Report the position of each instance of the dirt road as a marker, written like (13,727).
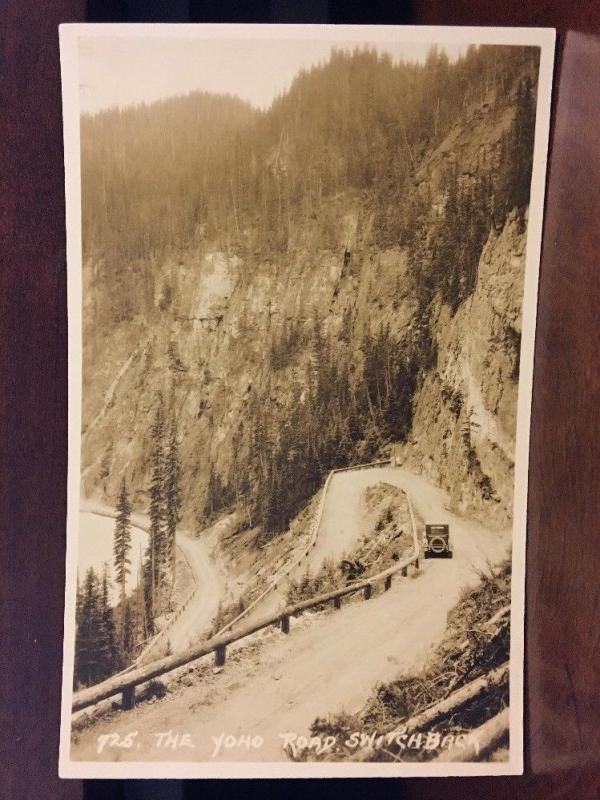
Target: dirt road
(344,522)
(192,622)
(330,662)
(210,588)
(209,578)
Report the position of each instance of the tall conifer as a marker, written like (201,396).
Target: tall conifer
(122,546)
(107,644)
(87,661)
(155,554)
(172,492)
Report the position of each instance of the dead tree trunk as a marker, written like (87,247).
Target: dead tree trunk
(482,741)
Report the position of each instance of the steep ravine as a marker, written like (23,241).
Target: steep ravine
(208,348)
(202,336)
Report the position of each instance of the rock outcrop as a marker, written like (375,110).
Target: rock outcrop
(202,335)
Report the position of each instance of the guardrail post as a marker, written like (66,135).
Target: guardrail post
(128,697)
(404,572)
(285,624)
(337,602)
(388,582)
(220,655)
(368,591)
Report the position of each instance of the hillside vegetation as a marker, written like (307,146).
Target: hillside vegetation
(464,685)
(292,285)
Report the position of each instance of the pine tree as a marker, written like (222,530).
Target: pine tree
(97,655)
(359,122)
(122,546)
(156,549)
(172,492)
(87,661)
(108,650)
(127,633)
(523,136)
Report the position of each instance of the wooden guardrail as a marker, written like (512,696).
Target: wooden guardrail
(279,576)
(125,683)
(158,637)
(163,633)
(316,524)
(283,573)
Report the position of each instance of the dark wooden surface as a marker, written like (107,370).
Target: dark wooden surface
(33,398)
(563,601)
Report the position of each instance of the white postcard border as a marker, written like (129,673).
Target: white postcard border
(69,43)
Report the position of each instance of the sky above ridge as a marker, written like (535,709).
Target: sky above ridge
(126,70)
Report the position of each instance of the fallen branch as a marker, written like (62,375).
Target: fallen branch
(446,707)
(482,741)
(504,611)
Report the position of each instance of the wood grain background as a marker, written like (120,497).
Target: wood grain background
(563,583)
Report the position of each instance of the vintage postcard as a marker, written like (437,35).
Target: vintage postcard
(302,276)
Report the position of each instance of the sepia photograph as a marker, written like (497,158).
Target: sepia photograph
(302,277)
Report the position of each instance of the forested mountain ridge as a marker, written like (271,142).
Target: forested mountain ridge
(297,285)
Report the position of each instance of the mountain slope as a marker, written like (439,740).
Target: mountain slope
(313,316)
(328,663)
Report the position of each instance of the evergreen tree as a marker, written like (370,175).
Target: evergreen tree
(108,649)
(359,129)
(122,546)
(96,650)
(217,495)
(523,135)
(359,121)
(128,634)
(172,491)
(154,566)
(88,668)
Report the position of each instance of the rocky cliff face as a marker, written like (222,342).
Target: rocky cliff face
(464,427)
(205,347)
(203,335)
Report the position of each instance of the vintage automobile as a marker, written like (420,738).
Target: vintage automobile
(437,541)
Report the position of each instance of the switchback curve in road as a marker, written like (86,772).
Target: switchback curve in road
(330,663)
